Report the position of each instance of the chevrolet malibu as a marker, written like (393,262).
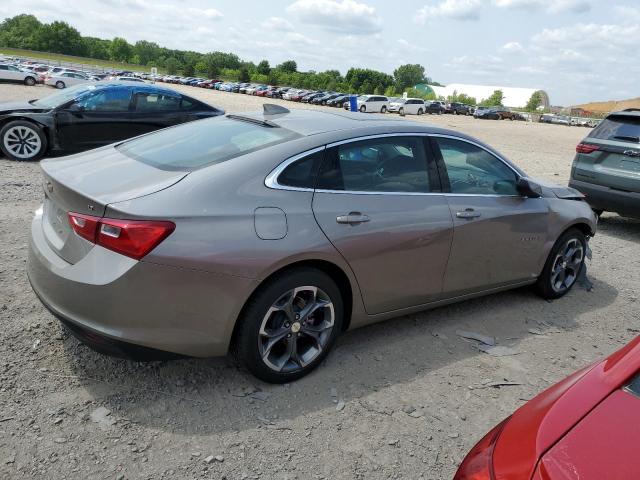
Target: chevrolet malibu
(269,234)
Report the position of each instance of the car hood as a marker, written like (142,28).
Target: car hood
(20,107)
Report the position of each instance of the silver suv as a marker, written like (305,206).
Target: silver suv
(607,165)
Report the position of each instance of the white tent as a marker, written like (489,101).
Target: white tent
(513,97)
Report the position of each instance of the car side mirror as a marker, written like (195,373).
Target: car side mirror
(75,107)
(528,188)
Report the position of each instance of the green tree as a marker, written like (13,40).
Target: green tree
(189,68)
(96,47)
(146,51)
(288,66)
(495,100)
(21,31)
(120,49)
(263,67)
(172,65)
(534,102)
(243,74)
(408,76)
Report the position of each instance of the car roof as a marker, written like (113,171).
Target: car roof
(138,85)
(634,113)
(313,122)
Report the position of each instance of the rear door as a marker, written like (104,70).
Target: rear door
(378,202)
(616,162)
(99,118)
(155,110)
(498,235)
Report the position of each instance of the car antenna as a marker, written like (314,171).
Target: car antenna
(273,109)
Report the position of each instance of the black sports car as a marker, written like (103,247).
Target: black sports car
(91,115)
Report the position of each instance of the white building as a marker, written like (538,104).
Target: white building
(513,97)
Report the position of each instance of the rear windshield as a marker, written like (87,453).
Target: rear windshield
(618,128)
(203,142)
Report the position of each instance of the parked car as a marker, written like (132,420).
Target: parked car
(407,106)
(606,167)
(372,103)
(11,73)
(495,113)
(66,79)
(129,79)
(582,428)
(434,108)
(91,115)
(458,108)
(225,223)
(338,101)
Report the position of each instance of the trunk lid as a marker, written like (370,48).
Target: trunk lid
(86,183)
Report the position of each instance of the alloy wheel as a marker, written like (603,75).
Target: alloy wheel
(296,329)
(22,142)
(566,265)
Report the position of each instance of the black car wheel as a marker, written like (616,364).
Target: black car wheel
(22,141)
(420,111)
(289,325)
(363,109)
(383,109)
(401,111)
(563,265)
(60,84)
(30,81)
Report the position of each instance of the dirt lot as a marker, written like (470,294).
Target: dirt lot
(403,399)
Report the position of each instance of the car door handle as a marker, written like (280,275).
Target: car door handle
(468,214)
(353,218)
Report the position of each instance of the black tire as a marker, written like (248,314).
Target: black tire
(383,109)
(247,338)
(420,111)
(60,84)
(363,109)
(8,130)
(401,112)
(545,284)
(29,81)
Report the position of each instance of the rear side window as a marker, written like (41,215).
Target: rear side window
(156,102)
(619,128)
(388,164)
(302,173)
(194,145)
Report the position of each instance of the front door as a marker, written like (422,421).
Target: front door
(498,235)
(96,119)
(378,202)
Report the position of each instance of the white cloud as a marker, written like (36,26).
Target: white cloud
(551,6)
(456,9)
(277,23)
(342,16)
(512,47)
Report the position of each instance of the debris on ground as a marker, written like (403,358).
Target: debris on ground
(485,339)
(497,350)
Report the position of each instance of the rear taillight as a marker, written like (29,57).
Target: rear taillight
(133,238)
(586,148)
(478,464)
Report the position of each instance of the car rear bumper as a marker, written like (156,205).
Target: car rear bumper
(114,300)
(609,199)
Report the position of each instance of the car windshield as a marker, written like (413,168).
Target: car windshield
(205,142)
(623,128)
(62,97)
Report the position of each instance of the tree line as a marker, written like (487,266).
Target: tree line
(27,32)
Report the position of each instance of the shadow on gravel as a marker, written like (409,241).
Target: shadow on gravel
(204,396)
(620,227)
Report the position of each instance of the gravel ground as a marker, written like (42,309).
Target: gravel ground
(403,399)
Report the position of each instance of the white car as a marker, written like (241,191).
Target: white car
(66,79)
(14,74)
(373,103)
(128,79)
(408,106)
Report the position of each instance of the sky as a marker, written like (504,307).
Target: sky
(576,50)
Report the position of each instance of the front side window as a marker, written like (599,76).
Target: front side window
(474,171)
(115,99)
(386,164)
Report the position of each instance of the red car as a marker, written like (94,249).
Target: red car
(586,427)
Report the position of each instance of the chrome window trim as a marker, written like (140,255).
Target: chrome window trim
(272,179)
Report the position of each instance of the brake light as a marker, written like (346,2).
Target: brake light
(478,464)
(586,148)
(133,238)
